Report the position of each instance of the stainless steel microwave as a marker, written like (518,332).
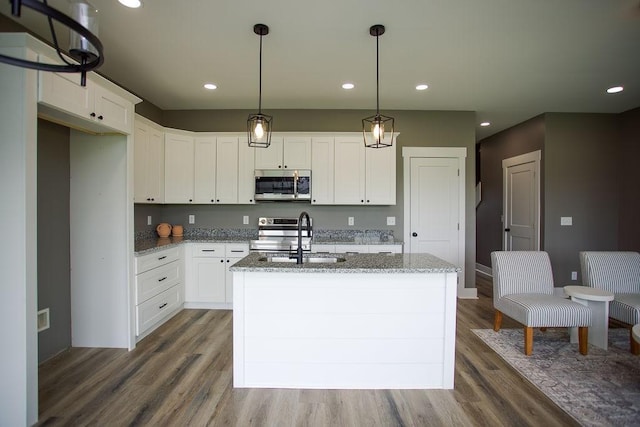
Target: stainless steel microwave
(282,185)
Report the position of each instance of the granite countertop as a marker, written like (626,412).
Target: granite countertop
(357,263)
(150,245)
(147,246)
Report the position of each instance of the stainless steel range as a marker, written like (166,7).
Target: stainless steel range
(281,235)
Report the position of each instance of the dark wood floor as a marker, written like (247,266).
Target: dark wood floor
(182,375)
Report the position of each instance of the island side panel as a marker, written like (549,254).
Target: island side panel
(450,330)
(315,330)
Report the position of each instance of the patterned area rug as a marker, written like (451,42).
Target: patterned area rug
(600,389)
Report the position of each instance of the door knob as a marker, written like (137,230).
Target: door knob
(414,234)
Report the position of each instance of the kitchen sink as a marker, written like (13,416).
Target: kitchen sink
(305,260)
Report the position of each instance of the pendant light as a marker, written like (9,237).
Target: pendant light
(378,129)
(85,47)
(259,125)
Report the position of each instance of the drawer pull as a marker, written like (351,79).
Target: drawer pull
(385,252)
(164,278)
(208,250)
(162,257)
(352,253)
(237,250)
(163,305)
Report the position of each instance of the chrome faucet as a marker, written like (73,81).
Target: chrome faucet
(298,255)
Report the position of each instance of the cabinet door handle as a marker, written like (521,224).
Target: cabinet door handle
(92,114)
(163,306)
(100,117)
(227,260)
(164,278)
(221,260)
(162,257)
(507,230)
(414,234)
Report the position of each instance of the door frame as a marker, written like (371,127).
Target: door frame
(460,153)
(535,158)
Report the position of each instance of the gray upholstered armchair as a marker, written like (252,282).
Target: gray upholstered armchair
(523,290)
(619,273)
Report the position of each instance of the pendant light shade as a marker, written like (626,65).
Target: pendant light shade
(259,125)
(85,47)
(377,129)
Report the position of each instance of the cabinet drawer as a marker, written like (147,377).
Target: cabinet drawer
(156,259)
(322,248)
(352,249)
(385,249)
(213,250)
(152,311)
(236,250)
(152,282)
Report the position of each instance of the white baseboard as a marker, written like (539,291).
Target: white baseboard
(468,293)
(484,270)
(209,305)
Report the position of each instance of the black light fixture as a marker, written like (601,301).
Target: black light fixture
(85,47)
(259,125)
(378,129)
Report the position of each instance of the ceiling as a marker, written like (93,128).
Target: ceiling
(508,60)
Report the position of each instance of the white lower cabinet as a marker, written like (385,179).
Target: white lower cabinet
(159,288)
(356,248)
(209,282)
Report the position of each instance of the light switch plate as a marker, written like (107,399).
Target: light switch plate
(566,220)
(192,219)
(351,220)
(245,219)
(149,220)
(391,220)
(574,275)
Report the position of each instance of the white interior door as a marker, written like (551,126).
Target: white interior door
(434,207)
(521,202)
(434,222)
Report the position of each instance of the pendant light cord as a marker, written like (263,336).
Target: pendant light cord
(377,75)
(260,79)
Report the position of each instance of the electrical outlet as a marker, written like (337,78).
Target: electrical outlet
(566,220)
(192,219)
(245,219)
(574,275)
(350,221)
(149,220)
(391,220)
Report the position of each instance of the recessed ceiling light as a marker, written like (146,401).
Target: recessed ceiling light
(615,89)
(485,124)
(131,3)
(422,87)
(210,86)
(348,86)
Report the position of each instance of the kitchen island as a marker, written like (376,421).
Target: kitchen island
(365,321)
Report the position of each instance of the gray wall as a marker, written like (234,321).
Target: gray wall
(53,238)
(628,224)
(581,181)
(521,139)
(417,129)
(589,173)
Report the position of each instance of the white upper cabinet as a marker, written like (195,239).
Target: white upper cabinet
(349,171)
(322,170)
(297,152)
(216,170)
(148,163)
(179,168)
(227,170)
(364,175)
(204,190)
(288,152)
(99,107)
(246,172)
(380,180)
